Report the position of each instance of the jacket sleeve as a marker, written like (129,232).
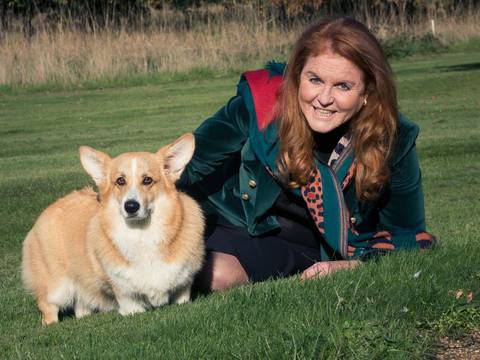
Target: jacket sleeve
(217,141)
(401,211)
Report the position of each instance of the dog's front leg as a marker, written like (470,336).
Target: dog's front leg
(128,305)
(158,299)
(181,295)
(81,309)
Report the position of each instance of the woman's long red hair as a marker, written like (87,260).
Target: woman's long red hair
(373,128)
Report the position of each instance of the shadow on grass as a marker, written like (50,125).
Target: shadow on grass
(460,67)
(67,313)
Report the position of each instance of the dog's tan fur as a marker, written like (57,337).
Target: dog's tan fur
(84,251)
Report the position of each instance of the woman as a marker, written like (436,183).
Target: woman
(309,168)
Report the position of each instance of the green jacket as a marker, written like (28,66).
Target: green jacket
(231,175)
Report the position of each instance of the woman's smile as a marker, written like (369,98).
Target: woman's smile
(324,113)
(331,91)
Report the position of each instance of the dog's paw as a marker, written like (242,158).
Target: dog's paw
(81,311)
(128,306)
(131,310)
(181,296)
(157,300)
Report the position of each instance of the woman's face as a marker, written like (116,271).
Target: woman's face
(331,91)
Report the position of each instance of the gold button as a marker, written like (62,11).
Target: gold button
(252,183)
(245,196)
(353,220)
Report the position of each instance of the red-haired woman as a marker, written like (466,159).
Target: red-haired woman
(309,168)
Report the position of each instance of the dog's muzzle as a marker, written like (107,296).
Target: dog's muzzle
(131,206)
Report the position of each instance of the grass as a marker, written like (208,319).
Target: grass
(70,56)
(394,308)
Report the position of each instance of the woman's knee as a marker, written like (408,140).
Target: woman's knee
(221,271)
(227,272)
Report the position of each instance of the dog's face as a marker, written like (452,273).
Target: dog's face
(132,182)
(135,181)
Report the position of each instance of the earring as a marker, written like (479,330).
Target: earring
(365,102)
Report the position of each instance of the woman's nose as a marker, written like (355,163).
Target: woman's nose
(325,97)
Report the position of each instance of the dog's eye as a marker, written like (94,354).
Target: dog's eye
(120,181)
(147,180)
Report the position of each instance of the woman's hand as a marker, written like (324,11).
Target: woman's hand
(325,268)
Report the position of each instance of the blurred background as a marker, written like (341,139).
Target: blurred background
(72,41)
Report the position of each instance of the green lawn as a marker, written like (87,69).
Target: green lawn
(394,308)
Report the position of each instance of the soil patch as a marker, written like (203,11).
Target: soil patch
(464,348)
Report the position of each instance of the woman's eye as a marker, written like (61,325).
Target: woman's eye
(315,80)
(147,180)
(120,181)
(344,86)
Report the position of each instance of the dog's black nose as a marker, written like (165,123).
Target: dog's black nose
(131,206)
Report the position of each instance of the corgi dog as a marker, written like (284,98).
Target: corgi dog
(135,244)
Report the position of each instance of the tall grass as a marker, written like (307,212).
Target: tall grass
(67,54)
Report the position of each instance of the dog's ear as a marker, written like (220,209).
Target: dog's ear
(95,163)
(177,155)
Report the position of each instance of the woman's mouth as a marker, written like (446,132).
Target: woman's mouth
(323,112)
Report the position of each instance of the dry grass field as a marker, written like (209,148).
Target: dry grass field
(66,55)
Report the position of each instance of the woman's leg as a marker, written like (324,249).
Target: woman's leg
(220,272)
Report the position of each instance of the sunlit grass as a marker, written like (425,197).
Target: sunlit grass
(390,309)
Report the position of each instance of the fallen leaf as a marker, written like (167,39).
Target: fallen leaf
(469,297)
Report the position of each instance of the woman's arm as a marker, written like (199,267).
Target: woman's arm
(216,140)
(401,219)
(324,268)
(402,214)
(404,206)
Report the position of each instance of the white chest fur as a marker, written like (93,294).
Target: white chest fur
(147,274)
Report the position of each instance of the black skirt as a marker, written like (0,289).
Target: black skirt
(288,251)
